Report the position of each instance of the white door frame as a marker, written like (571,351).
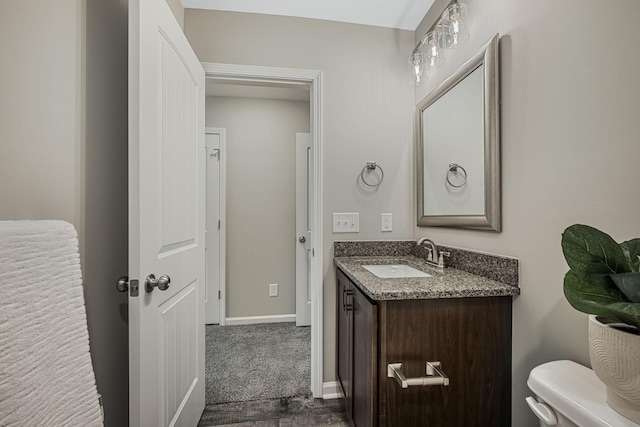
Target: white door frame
(222,132)
(314,79)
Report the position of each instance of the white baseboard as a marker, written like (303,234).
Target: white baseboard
(331,390)
(250,320)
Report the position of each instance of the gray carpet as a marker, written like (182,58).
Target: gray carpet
(257,362)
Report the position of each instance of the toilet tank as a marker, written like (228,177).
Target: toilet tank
(575,394)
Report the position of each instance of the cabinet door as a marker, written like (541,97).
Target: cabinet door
(343,339)
(471,337)
(364,373)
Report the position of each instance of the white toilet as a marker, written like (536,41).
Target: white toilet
(569,394)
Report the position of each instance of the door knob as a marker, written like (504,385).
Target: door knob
(302,239)
(161,283)
(123,284)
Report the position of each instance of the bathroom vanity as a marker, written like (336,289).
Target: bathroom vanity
(459,322)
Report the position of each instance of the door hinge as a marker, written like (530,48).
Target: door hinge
(218,224)
(219,293)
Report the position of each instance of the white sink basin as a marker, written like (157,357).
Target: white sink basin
(390,271)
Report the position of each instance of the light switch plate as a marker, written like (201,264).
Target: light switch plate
(386,222)
(273,290)
(346,222)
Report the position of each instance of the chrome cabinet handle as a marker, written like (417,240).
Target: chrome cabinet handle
(435,376)
(161,283)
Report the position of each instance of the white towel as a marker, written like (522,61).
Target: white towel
(46,375)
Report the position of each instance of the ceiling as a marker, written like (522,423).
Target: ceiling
(401,14)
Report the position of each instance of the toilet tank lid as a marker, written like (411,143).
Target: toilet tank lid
(576,392)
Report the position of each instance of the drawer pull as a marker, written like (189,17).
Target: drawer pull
(435,376)
(345,297)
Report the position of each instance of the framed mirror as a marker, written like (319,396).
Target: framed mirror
(458,147)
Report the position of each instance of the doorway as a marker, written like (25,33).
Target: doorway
(290,78)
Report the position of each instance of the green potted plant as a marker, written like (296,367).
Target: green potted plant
(604,282)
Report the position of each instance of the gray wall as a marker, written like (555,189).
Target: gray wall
(261,168)
(106,201)
(40,110)
(178,10)
(367,114)
(63,137)
(570,109)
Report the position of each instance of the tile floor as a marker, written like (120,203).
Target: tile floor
(284,412)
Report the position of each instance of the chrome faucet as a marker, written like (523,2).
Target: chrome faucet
(433,249)
(434,258)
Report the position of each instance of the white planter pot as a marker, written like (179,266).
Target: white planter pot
(615,359)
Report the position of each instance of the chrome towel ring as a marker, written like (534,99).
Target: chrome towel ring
(453,172)
(371,167)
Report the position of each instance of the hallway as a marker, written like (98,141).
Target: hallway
(260,375)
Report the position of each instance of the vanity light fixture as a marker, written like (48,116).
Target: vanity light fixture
(449,32)
(416,66)
(432,47)
(454,20)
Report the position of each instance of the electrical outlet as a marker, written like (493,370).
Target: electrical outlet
(273,290)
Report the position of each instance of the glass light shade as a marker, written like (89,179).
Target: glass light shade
(454,20)
(415,66)
(431,47)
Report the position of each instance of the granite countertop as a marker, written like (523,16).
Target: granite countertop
(449,283)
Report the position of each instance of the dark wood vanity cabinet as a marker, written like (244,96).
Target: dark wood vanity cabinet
(470,337)
(357,335)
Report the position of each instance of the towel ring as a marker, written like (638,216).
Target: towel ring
(453,167)
(372,166)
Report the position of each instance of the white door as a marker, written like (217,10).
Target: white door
(303,229)
(166,220)
(214,228)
